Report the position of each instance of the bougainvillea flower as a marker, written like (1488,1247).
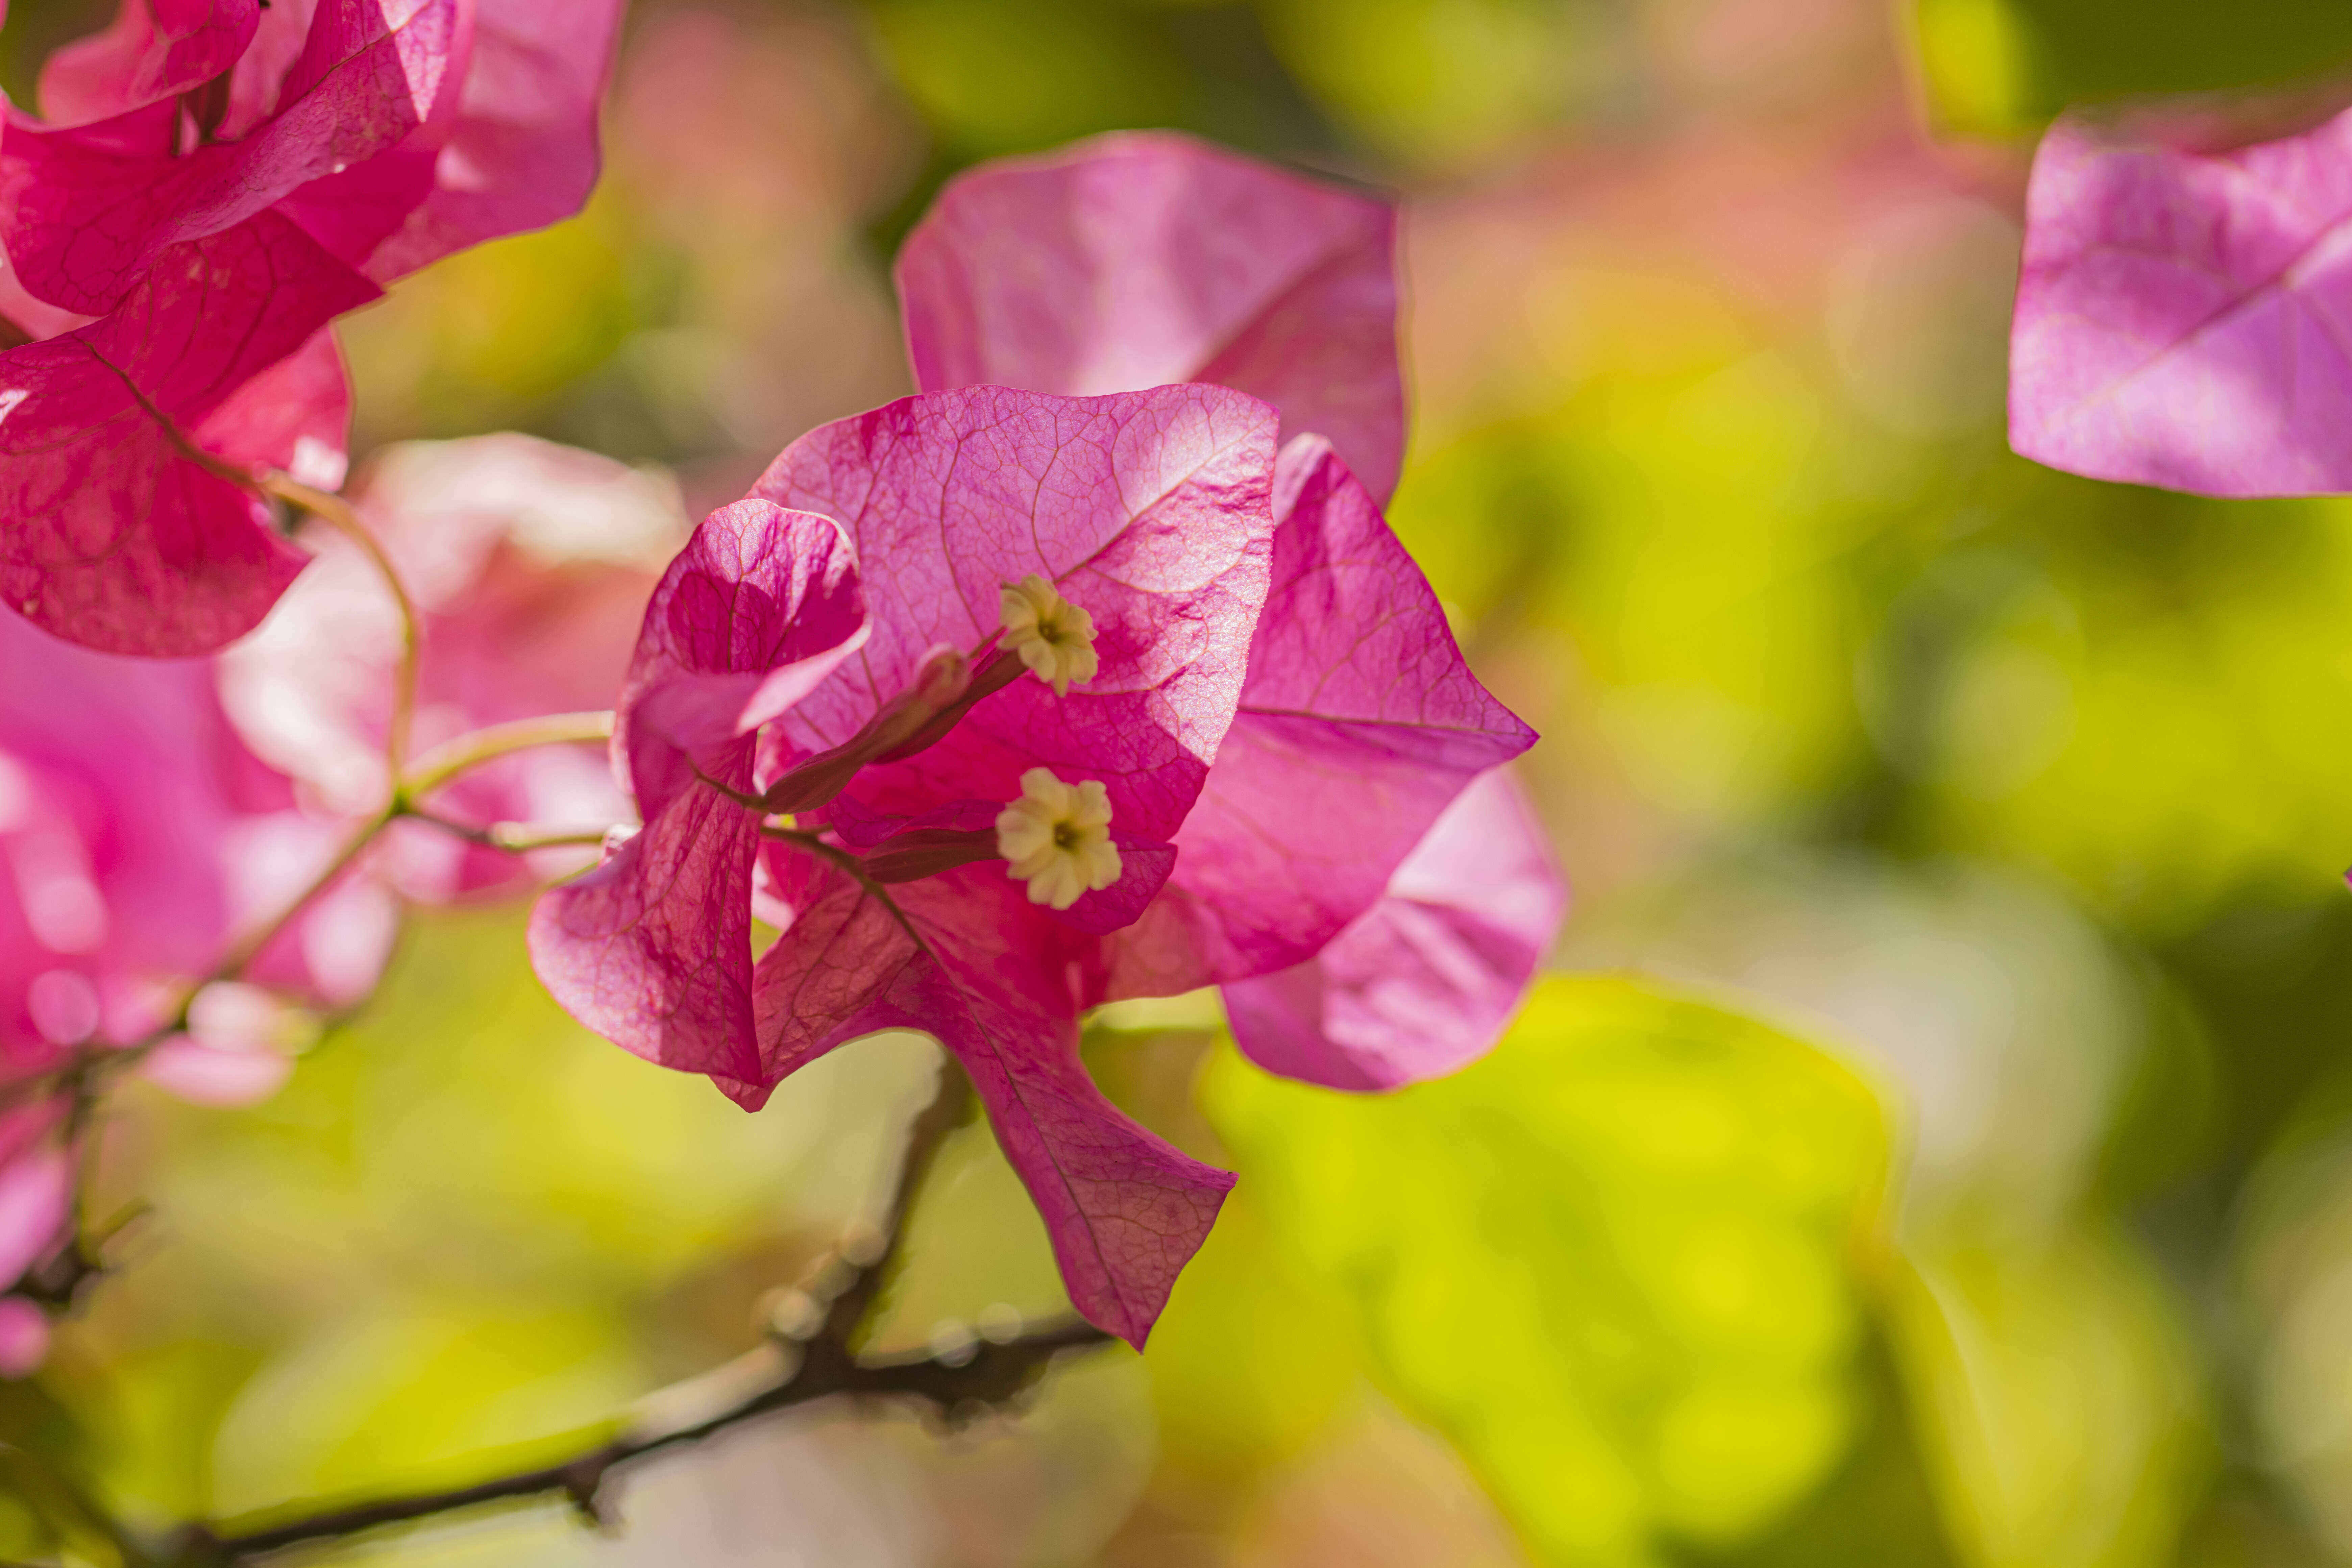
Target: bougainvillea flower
(2181,315)
(123,523)
(1150,511)
(1425,981)
(393,131)
(1128,275)
(1143,258)
(530,565)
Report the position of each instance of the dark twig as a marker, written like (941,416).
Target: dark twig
(995,1375)
(813,1356)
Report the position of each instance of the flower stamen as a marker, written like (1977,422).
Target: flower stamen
(1056,838)
(1055,638)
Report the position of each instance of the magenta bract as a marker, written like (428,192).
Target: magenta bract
(522,151)
(2180,315)
(1360,722)
(123,524)
(1143,258)
(393,131)
(1425,981)
(653,948)
(150,54)
(967,960)
(85,210)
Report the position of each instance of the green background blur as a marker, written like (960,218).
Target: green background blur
(1968,1183)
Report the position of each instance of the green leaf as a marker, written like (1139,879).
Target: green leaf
(1616,1262)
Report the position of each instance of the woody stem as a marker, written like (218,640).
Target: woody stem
(778,1376)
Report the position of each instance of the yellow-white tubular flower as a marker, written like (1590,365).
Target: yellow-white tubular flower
(1055,638)
(1056,838)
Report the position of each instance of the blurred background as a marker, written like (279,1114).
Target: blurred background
(2018,1235)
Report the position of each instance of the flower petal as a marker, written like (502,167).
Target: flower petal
(653,948)
(989,980)
(85,210)
(1147,258)
(2182,318)
(1424,982)
(1359,723)
(113,531)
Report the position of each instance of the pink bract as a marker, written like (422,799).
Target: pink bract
(1424,981)
(653,948)
(122,523)
(522,150)
(394,132)
(1143,258)
(85,210)
(2182,317)
(1358,724)
(531,564)
(1000,983)
(151,53)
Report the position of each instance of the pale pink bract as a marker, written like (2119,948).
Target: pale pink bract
(2182,317)
(1425,981)
(1147,258)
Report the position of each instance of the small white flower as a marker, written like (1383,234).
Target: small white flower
(1056,838)
(1055,638)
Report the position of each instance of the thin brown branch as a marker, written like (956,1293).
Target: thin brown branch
(950,1104)
(793,1369)
(995,1375)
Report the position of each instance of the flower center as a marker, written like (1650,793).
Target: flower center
(1056,838)
(1055,638)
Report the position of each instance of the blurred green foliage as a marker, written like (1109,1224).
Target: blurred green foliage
(1617,1263)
